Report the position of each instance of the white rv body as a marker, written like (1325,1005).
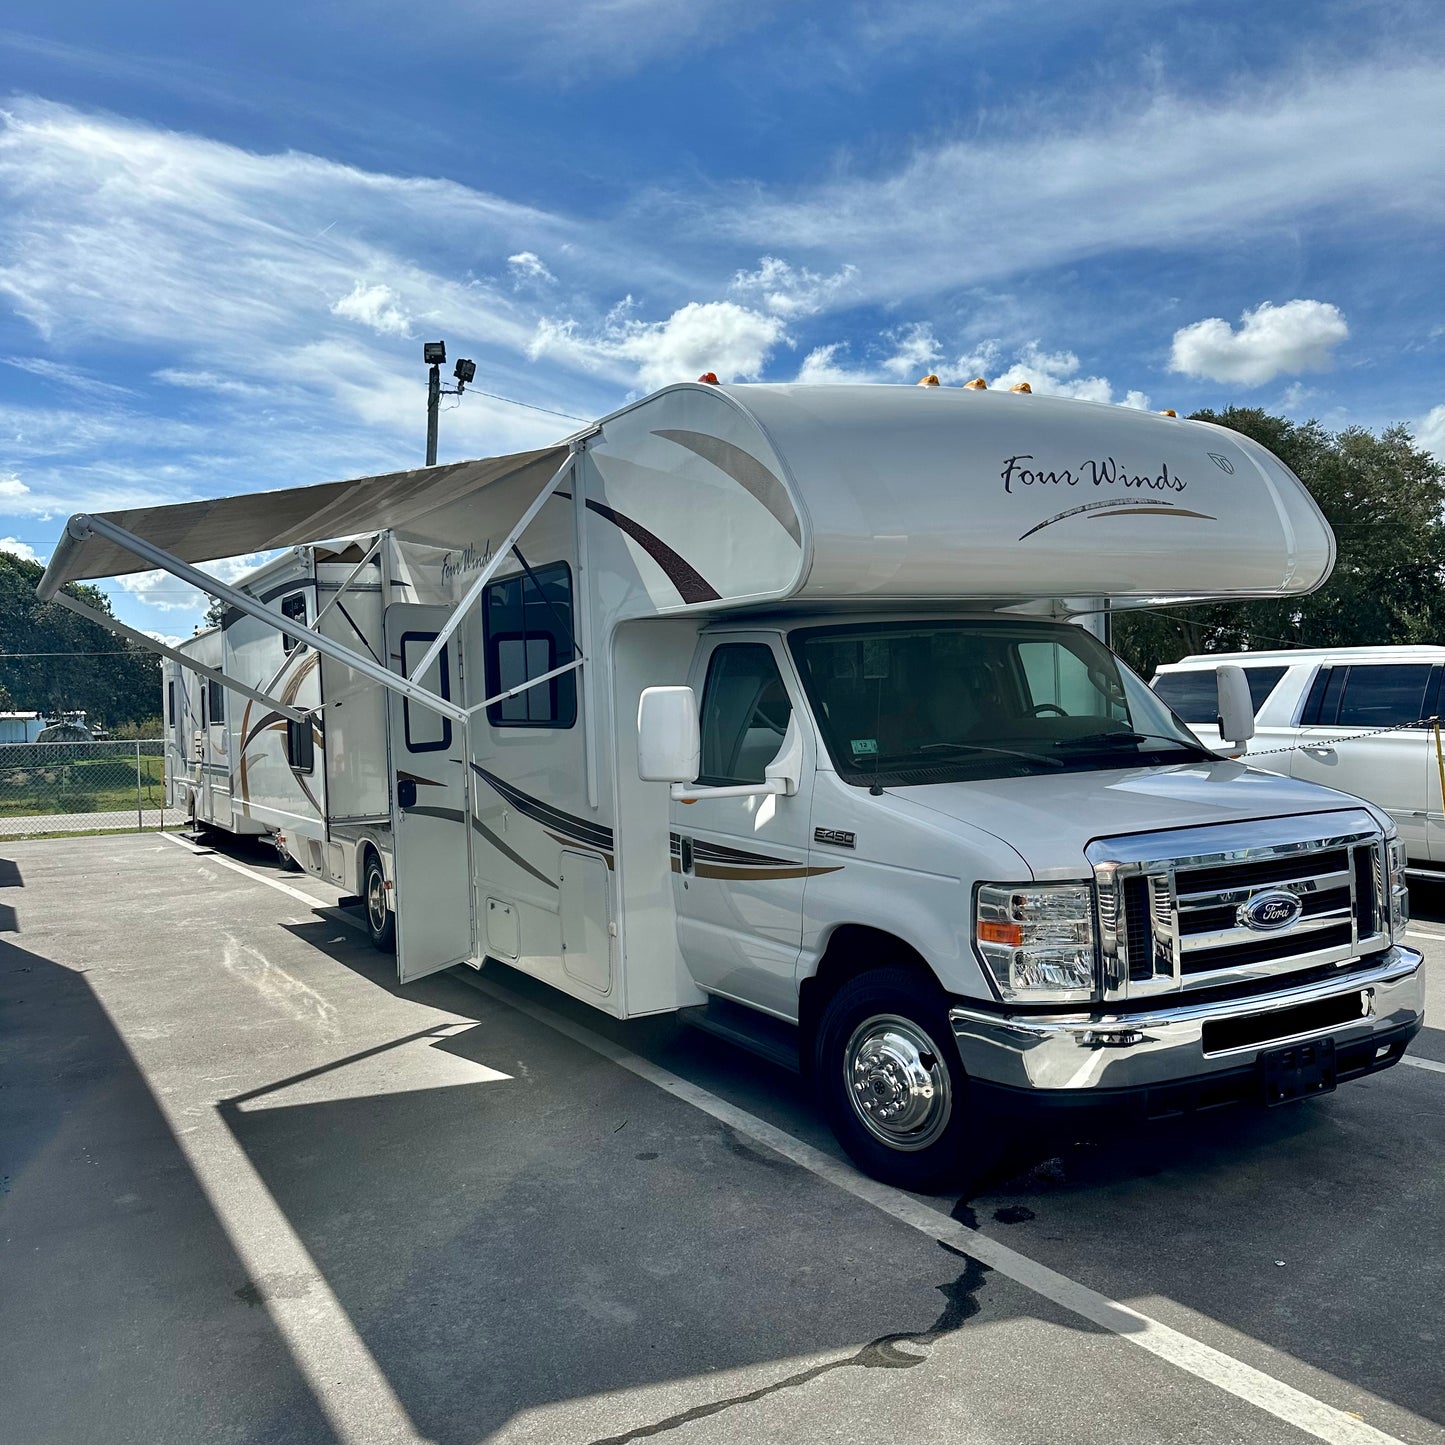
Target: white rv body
(842,575)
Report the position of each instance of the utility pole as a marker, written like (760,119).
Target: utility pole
(434,355)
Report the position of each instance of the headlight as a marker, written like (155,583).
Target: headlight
(1397,887)
(1038,941)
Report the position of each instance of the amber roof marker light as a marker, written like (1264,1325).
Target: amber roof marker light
(929,380)
(977,384)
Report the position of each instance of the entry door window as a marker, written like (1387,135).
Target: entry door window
(426,731)
(745,713)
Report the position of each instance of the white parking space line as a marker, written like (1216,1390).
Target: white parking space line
(1423,1064)
(1284,1402)
(1420,933)
(244,871)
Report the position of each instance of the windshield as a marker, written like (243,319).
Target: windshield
(941,701)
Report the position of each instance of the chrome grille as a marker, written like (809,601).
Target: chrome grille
(1171,903)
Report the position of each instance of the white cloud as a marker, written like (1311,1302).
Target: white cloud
(790,291)
(209,381)
(1271,341)
(825,365)
(169,594)
(167,638)
(529,266)
(1145,174)
(1430,432)
(718,336)
(376,306)
(20,549)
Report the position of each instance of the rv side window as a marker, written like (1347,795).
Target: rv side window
(424,730)
(745,712)
(528,629)
(293,607)
(216,695)
(300,746)
(171,704)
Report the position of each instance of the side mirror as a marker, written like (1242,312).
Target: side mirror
(1236,707)
(405,793)
(669,739)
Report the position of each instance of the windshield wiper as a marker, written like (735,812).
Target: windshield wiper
(979,748)
(1111,739)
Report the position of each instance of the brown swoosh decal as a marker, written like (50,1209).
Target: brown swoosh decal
(714,870)
(692,586)
(746,470)
(1116,507)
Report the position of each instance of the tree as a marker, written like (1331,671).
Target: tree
(67,664)
(1383,497)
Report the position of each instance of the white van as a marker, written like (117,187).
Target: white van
(783,706)
(1352,718)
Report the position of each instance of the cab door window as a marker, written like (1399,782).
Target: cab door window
(745,714)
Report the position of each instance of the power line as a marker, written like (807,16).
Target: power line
(531,406)
(113,652)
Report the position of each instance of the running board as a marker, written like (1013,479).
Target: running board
(758,1033)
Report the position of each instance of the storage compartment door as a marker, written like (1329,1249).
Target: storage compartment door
(431,803)
(586,918)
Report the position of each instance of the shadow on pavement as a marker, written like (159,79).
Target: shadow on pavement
(123,1307)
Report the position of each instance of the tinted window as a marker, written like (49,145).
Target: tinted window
(745,712)
(1382,696)
(527,621)
(1194,695)
(293,607)
(300,746)
(426,731)
(217,696)
(170,704)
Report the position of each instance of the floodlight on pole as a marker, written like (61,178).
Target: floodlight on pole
(434,355)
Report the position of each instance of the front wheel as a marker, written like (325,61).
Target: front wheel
(380,920)
(893,1086)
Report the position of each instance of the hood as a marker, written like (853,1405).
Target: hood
(1050,820)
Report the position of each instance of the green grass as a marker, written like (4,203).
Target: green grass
(91,785)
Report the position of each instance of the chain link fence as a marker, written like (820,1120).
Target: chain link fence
(50,789)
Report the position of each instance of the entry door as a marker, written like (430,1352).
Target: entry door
(1393,770)
(740,863)
(431,803)
(204,751)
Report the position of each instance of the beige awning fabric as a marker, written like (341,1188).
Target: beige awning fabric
(261,521)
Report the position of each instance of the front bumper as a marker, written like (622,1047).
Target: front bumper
(1190,1048)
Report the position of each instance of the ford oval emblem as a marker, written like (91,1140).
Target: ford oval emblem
(1267,912)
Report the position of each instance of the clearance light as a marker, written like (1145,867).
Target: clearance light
(977,384)
(1168,411)
(929,380)
(1022,386)
(710,377)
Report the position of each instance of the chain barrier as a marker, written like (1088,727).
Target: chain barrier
(1352,738)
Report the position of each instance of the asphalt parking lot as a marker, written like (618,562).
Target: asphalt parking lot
(252,1191)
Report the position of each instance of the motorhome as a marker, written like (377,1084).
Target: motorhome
(786,706)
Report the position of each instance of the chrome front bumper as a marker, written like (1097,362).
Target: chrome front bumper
(1162,1046)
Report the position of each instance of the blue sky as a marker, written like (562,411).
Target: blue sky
(225,232)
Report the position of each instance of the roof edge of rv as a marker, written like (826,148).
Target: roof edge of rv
(77,529)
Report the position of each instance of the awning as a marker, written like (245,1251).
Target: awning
(261,521)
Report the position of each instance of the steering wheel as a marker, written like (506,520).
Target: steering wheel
(1043,707)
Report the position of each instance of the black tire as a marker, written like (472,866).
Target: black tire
(892,1085)
(380,920)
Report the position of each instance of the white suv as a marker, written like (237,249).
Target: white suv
(1310,706)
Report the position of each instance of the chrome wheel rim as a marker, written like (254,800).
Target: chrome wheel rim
(376,900)
(897,1082)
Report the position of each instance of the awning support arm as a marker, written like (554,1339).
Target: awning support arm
(490,570)
(315,626)
(87,525)
(115,625)
(523,687)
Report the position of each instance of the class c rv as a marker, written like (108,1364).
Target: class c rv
(787,707)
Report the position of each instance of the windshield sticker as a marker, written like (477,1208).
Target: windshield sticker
(864,747)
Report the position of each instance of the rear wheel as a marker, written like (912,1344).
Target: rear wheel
(893,1086)
(380,920)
